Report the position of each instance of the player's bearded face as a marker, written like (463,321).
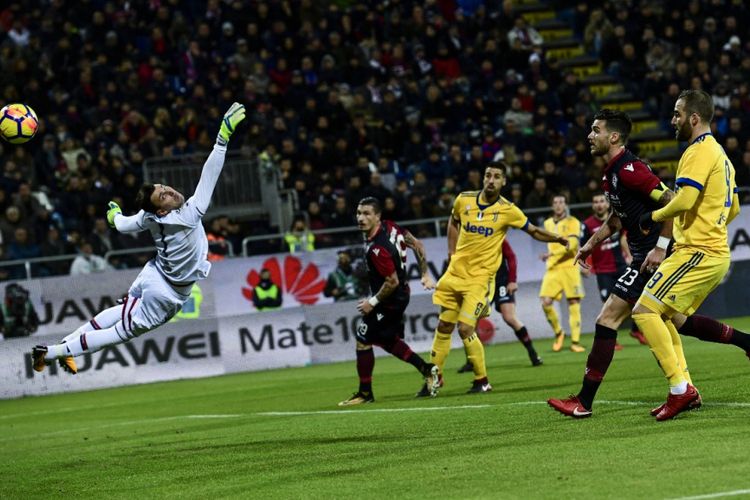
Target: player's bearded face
(681,122)
(598,138)
(494,180)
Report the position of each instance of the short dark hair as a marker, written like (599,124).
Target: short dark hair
(698,102)
(617,121)
(560,195)
(500,165)
(143,198)
(373,202)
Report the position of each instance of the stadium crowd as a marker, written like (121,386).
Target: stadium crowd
(402,100)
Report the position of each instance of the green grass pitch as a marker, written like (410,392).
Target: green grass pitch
(279,434)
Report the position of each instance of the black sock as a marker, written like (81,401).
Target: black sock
(523,336)
(710,330)
(597,363)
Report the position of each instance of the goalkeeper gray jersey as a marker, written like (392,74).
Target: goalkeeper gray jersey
(181,243)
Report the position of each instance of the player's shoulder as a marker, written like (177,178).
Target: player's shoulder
(472,194)
(572,219)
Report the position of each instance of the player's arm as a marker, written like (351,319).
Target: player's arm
(215,162)
(417,247)
(454,228)
(540,234)
(734,210)
(509,256)
(365,306)
(625,246)
(610,227)
(124,223)
(656,255)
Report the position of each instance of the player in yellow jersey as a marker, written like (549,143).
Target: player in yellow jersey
(562,275)
(705,203)
(476,230)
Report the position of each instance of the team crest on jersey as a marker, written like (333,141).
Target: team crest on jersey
(480,215)
(466,211)
(495,216)
(615,180)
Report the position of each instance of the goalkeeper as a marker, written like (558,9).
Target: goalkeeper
(165,282)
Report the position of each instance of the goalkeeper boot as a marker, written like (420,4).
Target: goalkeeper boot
(68,364)
(37,355)
(358,398)
(572,407)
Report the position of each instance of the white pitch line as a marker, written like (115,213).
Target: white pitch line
(377,410)
(720,494)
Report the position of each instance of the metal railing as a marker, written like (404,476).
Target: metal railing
(438,225)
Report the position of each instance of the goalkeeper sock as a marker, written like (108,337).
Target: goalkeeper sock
(90,342)
(575,321)
(104,319)
(552,319)
(677,345)
(475,354)
(441,347)
(660,342)
(710,330)
(597,363)
(365,367)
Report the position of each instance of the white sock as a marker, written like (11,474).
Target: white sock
(89,341)
(680,388)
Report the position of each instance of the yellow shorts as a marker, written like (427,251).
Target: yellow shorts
(463,299)
(557,281)
(683,281)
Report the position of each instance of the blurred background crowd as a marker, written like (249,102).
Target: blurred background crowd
(402,100)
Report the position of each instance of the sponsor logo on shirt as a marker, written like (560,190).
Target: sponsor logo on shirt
(471,228)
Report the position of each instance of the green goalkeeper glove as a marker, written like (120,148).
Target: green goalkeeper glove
(114,209)
(232,118)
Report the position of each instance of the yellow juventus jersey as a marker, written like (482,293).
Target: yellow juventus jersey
(559,256)
(480,239)
(705,166)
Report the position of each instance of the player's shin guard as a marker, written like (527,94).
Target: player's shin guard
(677,345)
(575,321)
(552,319)
(597,363)
(365,367)
(475,354)
(660,342)
(441,346)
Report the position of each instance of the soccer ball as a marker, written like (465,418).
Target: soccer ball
(18,123)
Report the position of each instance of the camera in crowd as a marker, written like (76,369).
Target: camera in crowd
(19,318)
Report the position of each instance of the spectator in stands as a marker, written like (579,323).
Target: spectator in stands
(87,261)
(267,295)
(342,283)
(299,238)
